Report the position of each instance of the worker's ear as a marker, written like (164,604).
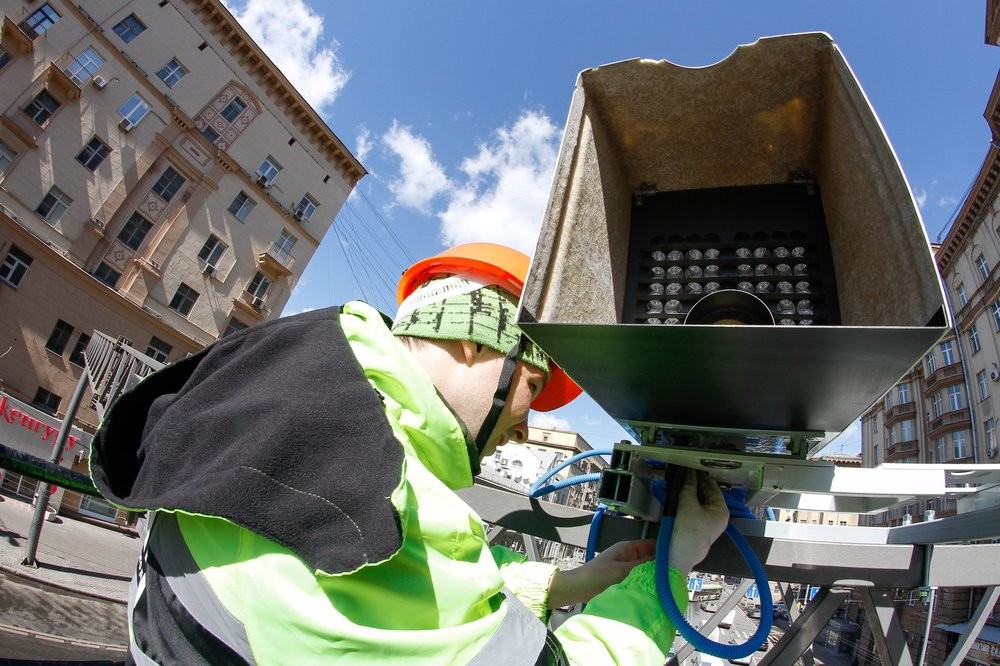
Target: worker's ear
(471,351)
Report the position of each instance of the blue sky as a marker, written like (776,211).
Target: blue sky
(456,110)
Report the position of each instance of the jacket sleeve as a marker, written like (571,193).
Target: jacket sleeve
(624,624)
(529,581)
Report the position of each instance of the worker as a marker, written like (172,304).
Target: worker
(299,479)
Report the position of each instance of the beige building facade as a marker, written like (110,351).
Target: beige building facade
(947,408)
(160,181)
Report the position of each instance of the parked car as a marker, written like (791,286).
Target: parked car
(709,606)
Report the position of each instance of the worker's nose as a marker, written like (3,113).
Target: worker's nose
(519,433)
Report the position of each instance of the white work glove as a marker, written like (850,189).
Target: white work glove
(698,523)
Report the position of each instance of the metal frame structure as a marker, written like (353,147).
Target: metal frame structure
(870,561)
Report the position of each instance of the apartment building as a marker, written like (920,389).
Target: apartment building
(160,181)
(516,467)
(947,408)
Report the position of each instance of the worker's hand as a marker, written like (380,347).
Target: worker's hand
(699,522)
(582,584)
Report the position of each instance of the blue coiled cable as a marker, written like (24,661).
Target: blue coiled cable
(737,508)
(690,634)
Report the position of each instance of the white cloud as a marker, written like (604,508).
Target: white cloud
(504,190)
(421,178)
(365,144)
(547,421)
(291,34)
(947,201)
(507,186)
(921,198)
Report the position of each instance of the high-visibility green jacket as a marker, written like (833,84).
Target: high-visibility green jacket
(232,572)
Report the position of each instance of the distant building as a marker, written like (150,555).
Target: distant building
(947,408)
(517,467)
(160,180)
(823,517)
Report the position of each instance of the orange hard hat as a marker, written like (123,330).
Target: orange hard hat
(504,267)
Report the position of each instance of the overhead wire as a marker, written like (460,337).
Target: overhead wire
(374,253)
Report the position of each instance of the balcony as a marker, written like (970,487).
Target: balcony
(946,376)
(899,412)
(948,422)
(900,450)
(17,38)
(275,261)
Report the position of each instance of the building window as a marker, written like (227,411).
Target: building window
(108,275)
(93,154)
(4,58)
(53,205)
(268,171)
(59,337)
(283,244)
(982,267)
(15,265)
(974,339)
(40,20)
(171,73)
(212,250)
(210,134)
(6,157)
(133,111)
(233,326)
(135,231)
(875,424)
(984,385)
(959,446)
(77,357)
(241,206)
(889,401)
(931,363)
(955,397)
(947,353)
(84,66)
(129,28)
(168,184)
(46,401)
(158,350)
(233,110)
(184,299)
(937,405)
(307,206)
(963,297)
(42,107)
(904,393)
(893,435)
(939,449)
(906,431)
(990,430)
(258,286)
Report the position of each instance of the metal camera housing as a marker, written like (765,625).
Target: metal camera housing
(774,147)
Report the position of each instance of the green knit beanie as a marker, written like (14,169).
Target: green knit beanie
(457,308)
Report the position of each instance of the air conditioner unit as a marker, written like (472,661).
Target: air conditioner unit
(263,181)
(99,81)
(208,269)
(995,373)
(258,302)
(298,214)
(126,124)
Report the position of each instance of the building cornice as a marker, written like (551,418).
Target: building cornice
(245,51)
(981,195)
(993,22)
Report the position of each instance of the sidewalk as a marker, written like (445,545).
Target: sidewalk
(73,555)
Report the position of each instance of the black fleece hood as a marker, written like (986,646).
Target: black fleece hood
(274,428)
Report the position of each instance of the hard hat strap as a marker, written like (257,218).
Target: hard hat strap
(500,396)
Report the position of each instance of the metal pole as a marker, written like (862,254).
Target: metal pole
(42,496)
(930,606)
